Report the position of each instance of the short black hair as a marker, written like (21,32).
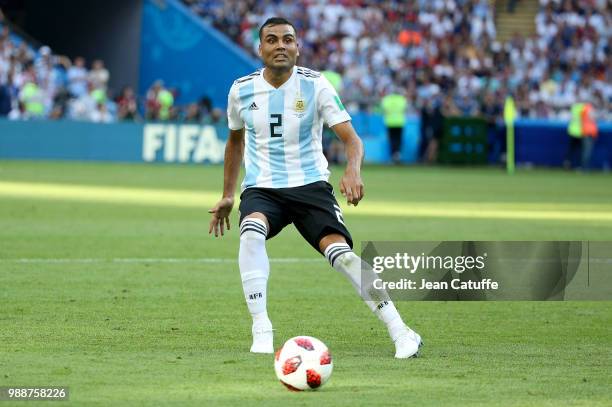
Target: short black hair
(276,21)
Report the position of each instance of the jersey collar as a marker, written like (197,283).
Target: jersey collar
(284,85)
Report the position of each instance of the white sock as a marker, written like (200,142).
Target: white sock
(254,268)
(387,313)
(342,258)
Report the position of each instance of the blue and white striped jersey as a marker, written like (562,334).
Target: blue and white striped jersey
(283,127)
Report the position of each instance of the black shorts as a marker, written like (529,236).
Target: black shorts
(312,208)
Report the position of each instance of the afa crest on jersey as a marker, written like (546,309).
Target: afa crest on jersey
(300,106)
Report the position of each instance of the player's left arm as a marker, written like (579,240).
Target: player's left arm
(351,185)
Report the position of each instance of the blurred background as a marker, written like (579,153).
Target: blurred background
(425,81)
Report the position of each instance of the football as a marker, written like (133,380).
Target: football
(303,363)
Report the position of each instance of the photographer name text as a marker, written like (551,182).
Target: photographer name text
(455,284)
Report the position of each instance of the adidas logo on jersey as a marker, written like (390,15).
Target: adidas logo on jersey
(253,106)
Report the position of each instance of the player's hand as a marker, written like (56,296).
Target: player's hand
(220,216)
(351,187)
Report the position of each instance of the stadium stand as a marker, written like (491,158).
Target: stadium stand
(441,53)
(443,50)
(455,61)
(36,83)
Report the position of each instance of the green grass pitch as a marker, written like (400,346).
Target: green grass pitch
(110,285)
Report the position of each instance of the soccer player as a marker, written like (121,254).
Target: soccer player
(275,116)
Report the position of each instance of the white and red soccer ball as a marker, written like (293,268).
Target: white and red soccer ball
(303,363)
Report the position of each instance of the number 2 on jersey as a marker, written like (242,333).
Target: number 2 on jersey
(274,127)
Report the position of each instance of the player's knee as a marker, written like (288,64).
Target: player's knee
(335,239)
(253,229)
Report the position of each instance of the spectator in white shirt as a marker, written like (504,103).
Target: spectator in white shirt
(77,78)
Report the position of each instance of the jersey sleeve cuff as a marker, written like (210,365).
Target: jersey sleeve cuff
(235,127)
(338,120)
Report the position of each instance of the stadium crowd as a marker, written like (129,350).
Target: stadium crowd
(36,84)
(39,84)
(442,52)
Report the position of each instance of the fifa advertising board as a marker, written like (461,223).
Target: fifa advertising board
(182,143)
(120,142)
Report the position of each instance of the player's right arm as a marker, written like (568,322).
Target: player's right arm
(234,151)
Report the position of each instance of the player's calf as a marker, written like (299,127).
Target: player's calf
(360,274)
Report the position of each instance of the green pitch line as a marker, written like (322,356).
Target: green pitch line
(155,260)
(190,199)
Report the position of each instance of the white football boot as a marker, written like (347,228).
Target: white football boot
(263,338)
(407,345)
